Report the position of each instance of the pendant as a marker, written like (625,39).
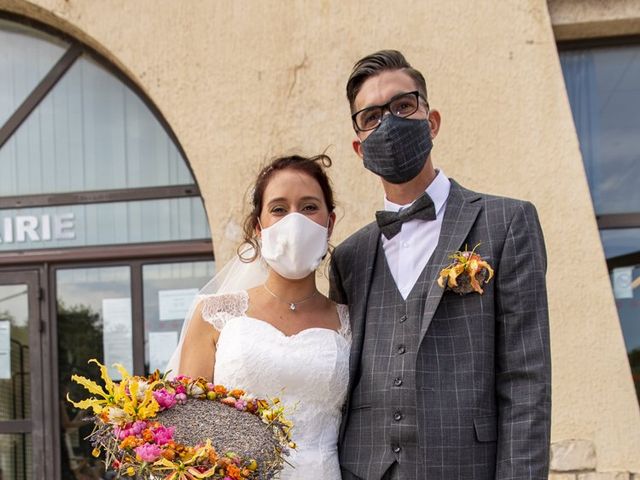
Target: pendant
(292,307)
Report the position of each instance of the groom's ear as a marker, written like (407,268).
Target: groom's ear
(357,147)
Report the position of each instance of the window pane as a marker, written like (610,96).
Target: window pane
(103,224)
(169,290)
(618,242)
(626,288)
(91,132)
(94,321)
(16,457)
(604,91)
(26,56)
(15,392)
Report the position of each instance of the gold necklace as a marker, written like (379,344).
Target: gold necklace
(292,305)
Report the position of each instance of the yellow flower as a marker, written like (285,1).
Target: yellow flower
(110,394)
(95,452)
(186,470)
(121,402)
(131,471)
(465,263)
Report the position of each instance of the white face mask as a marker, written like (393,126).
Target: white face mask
(294,246)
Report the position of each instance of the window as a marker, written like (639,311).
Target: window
(98,203)
(603,84)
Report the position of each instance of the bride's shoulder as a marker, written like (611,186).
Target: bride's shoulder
(345,324)
(219,308)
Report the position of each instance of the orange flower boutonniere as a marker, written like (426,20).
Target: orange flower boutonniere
(466,273)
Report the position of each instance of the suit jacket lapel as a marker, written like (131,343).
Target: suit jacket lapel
(460,215)
(363,275)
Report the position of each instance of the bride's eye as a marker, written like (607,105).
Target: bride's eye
(310,208)
(278,210)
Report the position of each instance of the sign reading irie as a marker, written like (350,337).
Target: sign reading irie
(42,228)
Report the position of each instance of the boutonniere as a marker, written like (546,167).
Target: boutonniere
(467,272)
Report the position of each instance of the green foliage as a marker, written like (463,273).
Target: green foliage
(79,339)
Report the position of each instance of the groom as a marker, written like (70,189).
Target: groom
(443,386)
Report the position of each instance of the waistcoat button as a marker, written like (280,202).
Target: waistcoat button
(401,349)
(397,382)
(397,416)
(396,449)
(403,318)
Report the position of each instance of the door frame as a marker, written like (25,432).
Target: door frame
(44,263)
(36,425)
(110,257)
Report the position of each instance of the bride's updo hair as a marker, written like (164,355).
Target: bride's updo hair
(312,166)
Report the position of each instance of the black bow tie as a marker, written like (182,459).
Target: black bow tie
(390,223)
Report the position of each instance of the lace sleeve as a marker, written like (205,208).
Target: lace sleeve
(345,325)
(218,309)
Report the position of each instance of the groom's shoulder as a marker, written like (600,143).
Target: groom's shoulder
(494,204)
(359,240)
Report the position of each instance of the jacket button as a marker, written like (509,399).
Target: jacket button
(397,382)
(397,416)
(396,449)
(403,318)
(401,349)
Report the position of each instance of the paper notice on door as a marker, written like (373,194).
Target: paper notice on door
(161,346)
(5,350)
(622,279)
(174,304)
(117,334)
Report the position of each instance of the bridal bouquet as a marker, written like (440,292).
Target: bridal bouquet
(184,429)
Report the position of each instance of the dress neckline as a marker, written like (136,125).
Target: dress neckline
(342,310)
(293,335)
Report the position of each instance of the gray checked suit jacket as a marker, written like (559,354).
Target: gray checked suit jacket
(483,369)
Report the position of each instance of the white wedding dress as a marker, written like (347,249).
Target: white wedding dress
(308,371)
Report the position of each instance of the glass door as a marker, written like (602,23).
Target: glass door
(94,320)
(21,397)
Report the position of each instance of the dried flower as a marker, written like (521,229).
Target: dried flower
(467,272)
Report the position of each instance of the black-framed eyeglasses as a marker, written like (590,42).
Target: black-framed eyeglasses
(402,105)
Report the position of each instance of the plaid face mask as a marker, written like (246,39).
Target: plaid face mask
(398,149)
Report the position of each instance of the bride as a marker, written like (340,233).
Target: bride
(261,324)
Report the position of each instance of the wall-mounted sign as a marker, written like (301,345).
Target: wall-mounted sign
(174,304)
(37,228)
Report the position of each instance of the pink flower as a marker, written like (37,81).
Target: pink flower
(148,452)
(163,435)
(241,405)
(138,427)
(164,398)
(181,398)
(180,389)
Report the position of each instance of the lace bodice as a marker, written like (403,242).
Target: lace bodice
(309,371)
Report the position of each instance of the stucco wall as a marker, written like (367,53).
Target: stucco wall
(581,19)
(240,82)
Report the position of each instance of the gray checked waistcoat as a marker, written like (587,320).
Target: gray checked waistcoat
(388,370)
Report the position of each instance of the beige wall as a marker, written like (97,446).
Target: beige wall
(241,81)
(581,19)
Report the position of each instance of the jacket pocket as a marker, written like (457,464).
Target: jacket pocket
(486,428)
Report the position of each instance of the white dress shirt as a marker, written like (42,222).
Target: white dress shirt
(409,251)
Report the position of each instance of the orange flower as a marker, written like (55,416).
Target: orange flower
(234,472)
(169,454)
(237,393)
(220,390)
(147,435)
(130,442)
